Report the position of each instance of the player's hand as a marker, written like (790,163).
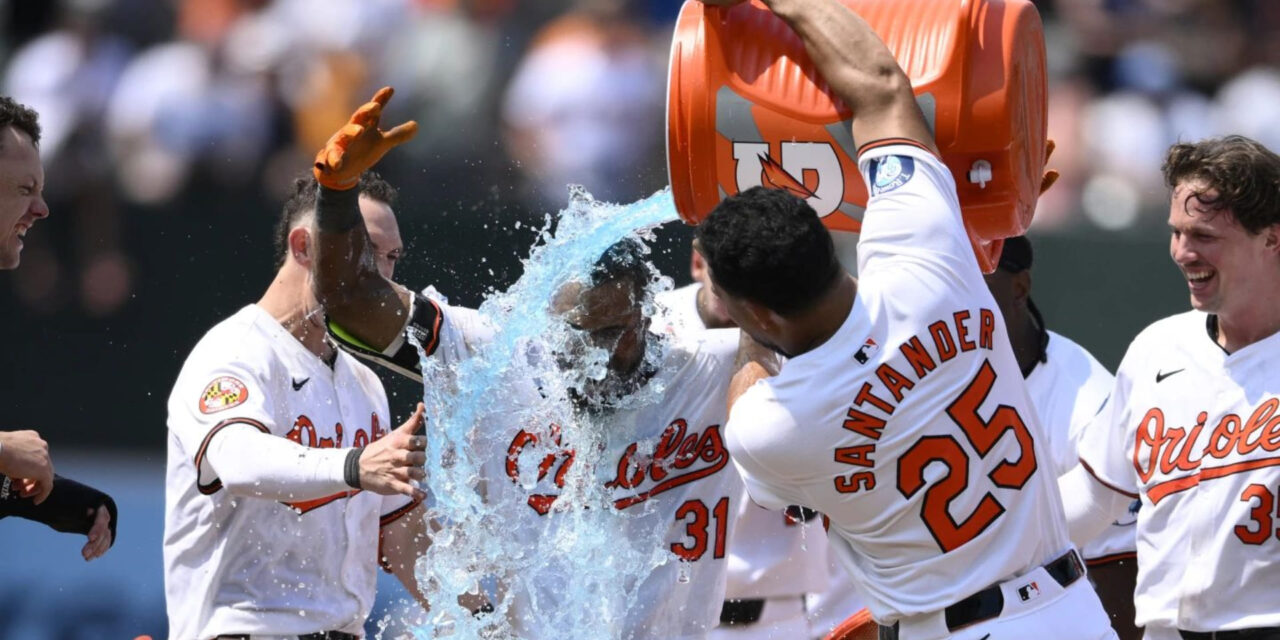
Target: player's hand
(24,456)
(99,535)
(723,3)
(359,144)
(390,465)
(1050,176)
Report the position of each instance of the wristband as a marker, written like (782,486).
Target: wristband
(351,471)
(337,211)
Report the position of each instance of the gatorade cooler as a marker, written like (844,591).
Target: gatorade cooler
(745,107)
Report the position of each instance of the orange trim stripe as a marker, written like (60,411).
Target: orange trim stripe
(216,485)
(884,142)
(1105,483)
(398,513)
(435,328)
(1108,559)
(1167,488)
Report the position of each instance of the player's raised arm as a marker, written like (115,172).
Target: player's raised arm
(858,67)
(346,279)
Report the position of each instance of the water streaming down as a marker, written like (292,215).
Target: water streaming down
(517,476)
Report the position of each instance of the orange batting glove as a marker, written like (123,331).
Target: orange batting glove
(359,144)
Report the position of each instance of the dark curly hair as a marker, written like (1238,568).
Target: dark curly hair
(302,201)
(1244,174)
(21,117)
(770,247)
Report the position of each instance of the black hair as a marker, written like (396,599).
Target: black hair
(302,201)
(1016,256)
(770,247)
(625,260)
(21,117)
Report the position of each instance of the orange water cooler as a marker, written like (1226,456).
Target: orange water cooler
(746,108)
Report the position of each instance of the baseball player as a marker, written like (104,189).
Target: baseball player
(687,492)
(282,478)
(1068,387)
(775,559)
(900,413)
(1191,426)
(28,486)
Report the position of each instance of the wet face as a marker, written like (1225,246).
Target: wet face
(21,199)
(1224,266)
(384,233)
(608,316)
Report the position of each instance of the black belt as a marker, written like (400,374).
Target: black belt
(1268,633)
(319,635)
(741,612)
(988,603)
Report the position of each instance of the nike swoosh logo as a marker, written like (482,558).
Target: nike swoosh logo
(1161,375)
(297,384)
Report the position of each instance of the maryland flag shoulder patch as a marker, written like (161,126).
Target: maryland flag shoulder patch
(223,393)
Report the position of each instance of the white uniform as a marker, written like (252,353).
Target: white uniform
(252,565)
(773,558)
(687,493)
(1068,389)
(1195,432)
(912,430)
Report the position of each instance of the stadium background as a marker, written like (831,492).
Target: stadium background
(173,127)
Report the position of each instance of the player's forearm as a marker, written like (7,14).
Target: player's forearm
(858,67)
(253,464)
(70,508)
(346,279)
(1090,506)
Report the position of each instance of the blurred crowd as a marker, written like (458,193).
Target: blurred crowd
(149,104)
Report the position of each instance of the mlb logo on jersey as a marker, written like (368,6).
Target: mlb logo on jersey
(1029,591)
(869,349)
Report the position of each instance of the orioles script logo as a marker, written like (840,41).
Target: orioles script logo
(1170,450)
(680,456)
(304,433)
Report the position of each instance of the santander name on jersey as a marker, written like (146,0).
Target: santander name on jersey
(1195,432)
(910,428)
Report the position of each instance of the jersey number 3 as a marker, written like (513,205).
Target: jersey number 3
(983,435)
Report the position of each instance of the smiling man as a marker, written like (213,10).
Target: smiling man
(28,487)
(1191,426)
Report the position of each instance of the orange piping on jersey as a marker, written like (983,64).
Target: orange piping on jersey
(885,142)
(216,485)
(1105,483)
(1109,558)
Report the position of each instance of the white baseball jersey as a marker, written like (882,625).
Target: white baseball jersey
(251,565)
(687,489)
(1195,432)
(1068,390)
(911,427)
(771,555)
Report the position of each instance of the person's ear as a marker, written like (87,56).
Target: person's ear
(300,246)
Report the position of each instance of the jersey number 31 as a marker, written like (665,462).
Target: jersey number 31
(983,435)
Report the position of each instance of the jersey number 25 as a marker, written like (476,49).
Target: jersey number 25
(983,435)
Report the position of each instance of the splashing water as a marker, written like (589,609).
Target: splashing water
(516,475)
